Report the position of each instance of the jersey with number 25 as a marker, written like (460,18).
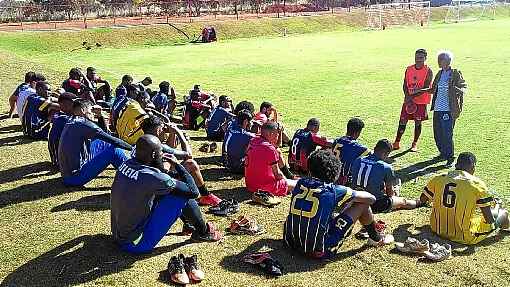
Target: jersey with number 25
(310,220)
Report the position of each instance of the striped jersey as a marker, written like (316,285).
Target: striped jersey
(310,221)
(35,118)
(347,149)
(457,197)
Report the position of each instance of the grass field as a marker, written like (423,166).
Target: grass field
(54,236)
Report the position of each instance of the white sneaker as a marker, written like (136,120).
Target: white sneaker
(413,245)
(439,252)
(385,240)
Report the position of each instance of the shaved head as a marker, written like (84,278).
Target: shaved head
(148,150)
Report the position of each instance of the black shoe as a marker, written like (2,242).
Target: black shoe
(449,162)
(225,208)
(176,270)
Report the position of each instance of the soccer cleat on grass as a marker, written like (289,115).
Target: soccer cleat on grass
(380,226)
(192,268)
(385,240)
(176,270)
(245,225)
(414,147)
(413,245)
(438,252)
(396,145)
(212,234)
(265,198)
(187,229)
(449,162)
(213,147)
(210,200)
(225,208)
(264,261)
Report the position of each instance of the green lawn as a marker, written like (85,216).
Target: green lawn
(55,236)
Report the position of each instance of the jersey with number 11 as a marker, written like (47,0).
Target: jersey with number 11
(311,211)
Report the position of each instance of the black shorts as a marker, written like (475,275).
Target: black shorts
(382,205)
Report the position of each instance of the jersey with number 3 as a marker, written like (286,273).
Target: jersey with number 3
(308,224)
(457,198)
(371,175)
(303,144)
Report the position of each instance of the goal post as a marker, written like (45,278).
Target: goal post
(470,10)
(381,16)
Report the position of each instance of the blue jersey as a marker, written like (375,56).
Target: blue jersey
(58,122)
(160,101)
(216,119)
(310,225)
(234,147)
(74,149)
(303,144)
(371,174)
(35,119)
(347,150)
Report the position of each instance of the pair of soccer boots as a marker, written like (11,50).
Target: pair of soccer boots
(433,252)
(185,270)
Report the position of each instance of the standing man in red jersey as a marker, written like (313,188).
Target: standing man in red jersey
(417,80)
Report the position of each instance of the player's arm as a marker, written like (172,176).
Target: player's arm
(428,191)
(426,85)
(484,201)
(322,141)
(102,135)
(12,101)
(186,189)
(185,146)
(404,86)
(278,174)
(390,182)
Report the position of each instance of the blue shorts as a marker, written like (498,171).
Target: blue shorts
(340,228)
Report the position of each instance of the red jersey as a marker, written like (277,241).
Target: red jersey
(258,172)
(415,80)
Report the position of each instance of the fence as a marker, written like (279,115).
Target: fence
(85,16)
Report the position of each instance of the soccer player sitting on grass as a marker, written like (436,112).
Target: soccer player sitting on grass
(58,122)
(36,112)
(164,101)
(85,150)
(236,141)
(313,225)
(348,149)
(267,112)
(146,201)
(416,78)
(304,142)
(79,85)
(198,108)
(462,208)
(374,175)
(219,118)
(129,114)
(155,126)
(265,168)
(29,76)
(102,94)
(121,90)
(26,91)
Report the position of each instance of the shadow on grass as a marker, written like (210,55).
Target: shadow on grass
(11,129)
(210,160)
(402,232)
(240,194)
(422,168)
(78,261)
(219,174)
(27,171)
(39,190)
(15,140)
(400,154)
(292,261)
(97,202)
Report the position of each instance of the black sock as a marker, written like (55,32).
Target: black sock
(191,214)
(286,172)
(374,235)
(203,190)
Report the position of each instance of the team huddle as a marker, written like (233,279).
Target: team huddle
(333,183)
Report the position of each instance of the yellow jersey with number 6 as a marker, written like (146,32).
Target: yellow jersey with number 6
(456,199)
